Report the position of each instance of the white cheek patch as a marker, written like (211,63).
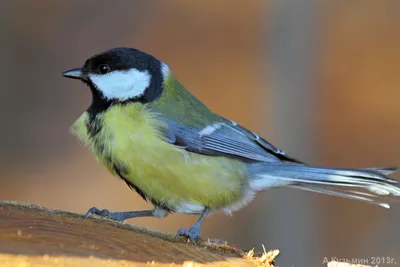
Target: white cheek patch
(122,85)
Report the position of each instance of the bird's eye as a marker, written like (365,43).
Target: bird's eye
(104,68)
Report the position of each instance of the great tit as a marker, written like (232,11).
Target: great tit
(147,129)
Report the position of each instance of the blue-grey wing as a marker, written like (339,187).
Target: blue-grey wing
(263,143)
(223,139)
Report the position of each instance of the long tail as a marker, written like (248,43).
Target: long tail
(370,185)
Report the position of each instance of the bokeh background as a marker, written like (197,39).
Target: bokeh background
(320,79)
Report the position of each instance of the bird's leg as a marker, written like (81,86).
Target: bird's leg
(121,216)
(194,230)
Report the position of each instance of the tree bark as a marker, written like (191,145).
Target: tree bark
(36,236)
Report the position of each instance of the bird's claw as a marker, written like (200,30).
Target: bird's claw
(193,233)
(103,213)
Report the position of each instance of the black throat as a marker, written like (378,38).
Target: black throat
(99,103)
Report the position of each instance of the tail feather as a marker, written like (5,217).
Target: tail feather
(360,196)
(371,185)
(384,171)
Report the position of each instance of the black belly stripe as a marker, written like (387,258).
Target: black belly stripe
(94,127)
(129,183)
(140,192)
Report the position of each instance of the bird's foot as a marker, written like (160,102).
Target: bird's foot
(116,216)
(193,233)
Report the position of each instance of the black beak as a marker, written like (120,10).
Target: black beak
(74,74)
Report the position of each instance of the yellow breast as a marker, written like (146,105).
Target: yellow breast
(127,136)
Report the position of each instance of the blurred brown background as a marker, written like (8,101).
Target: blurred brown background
(320,79)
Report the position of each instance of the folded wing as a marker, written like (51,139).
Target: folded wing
(224,138)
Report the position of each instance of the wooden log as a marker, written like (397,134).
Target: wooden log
(36,236)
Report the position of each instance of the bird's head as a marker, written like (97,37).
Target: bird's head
(122,74)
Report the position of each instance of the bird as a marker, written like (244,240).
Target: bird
(169,147)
